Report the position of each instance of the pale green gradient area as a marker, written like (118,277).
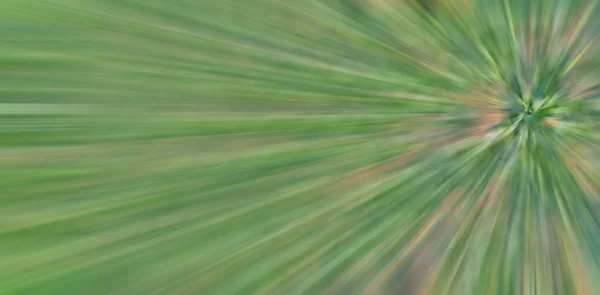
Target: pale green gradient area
(299,147)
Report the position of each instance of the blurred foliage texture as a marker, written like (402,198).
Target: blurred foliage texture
(290,147)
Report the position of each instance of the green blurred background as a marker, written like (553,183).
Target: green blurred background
(298,147)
